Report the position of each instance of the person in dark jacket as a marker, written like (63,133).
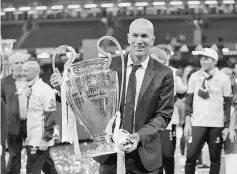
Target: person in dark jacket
(15,111)
(3,135)
(146,107)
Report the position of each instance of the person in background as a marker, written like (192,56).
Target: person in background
(16,111)
(3,136)
(186,75)
(230,145)
(234,70)
(168,138)
(208,105)
(159,54)
(41,105)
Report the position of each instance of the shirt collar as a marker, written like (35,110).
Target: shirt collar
(34,82)
(212,72)
(144,64)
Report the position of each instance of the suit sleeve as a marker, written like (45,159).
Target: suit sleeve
(3,122)
(163,112)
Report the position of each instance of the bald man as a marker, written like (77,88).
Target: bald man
(159,54)
(147,102)
(15,111)
(41,105)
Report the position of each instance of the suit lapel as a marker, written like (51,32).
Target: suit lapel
(149,74)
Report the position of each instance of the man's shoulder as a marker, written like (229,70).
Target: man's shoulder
(222,75)
(7,78)
(44,86)
(195,74)
(159,67)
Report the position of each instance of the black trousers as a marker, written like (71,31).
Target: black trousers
(14,148)
(200,135)
(38,160)
(168,145)
(133,165)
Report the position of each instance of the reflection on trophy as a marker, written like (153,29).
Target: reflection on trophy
(92,92)
(6,50)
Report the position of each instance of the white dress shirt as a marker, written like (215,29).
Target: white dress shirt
(140,73)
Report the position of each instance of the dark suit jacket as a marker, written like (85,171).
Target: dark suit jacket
(154,110)
(3,123)
(8,93)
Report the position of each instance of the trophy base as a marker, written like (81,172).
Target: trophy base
(99,154)
(100,147)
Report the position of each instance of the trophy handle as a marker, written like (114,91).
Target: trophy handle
(61,49)
(110,59)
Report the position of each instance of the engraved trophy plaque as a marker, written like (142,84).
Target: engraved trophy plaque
(92,92)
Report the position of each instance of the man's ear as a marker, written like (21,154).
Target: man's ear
(153,40)
(128,38)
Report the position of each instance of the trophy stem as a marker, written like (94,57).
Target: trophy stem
(101,146)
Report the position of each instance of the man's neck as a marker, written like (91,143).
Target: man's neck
(209,70)
(138,60)
(32,82)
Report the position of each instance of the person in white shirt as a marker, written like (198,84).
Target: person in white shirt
(207,111)
(168,142)
(41,105)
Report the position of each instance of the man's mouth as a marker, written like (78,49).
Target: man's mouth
(140,48)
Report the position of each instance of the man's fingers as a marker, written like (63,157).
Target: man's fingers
(55,76)
(55,83)
(56,70)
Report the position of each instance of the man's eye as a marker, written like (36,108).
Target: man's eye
(144,36)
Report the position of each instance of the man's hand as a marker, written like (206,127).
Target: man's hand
(225,133)
(187,128)
(43,145)
(232,136)
(131,144)
(56,79)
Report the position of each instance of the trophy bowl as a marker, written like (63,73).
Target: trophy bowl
(92,93)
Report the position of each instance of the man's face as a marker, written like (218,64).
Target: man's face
(28,73)
(140,38)
(207,63)
(17,65)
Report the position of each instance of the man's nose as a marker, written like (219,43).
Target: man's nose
(139,39)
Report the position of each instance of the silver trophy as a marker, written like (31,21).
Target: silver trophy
(92,92)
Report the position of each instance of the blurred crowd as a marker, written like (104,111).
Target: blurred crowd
(95,11)
(200,100)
